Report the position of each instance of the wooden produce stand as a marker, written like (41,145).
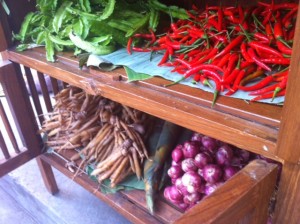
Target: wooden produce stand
(268,130)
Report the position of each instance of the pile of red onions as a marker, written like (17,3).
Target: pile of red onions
(199,166)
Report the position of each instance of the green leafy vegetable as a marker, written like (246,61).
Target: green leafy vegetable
(90,47)
(60,15)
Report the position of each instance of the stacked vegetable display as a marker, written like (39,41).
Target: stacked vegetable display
(109,135)
(93,26)
(199,166)
(236,48)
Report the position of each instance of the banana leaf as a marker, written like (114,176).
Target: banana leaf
(153,168)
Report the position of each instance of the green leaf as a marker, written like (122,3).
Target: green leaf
(25,27)
(40,38)
(108,10)
(135,76)
(78,27)
(49,49)
(60,15)
(85,5)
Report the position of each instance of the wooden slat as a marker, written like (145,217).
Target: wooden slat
(34,94)
(259,112)
(8,165)
(45,91)
(18,100)
(245,134)
(288,198)
(55,86)
(126,208)
(5,32)
(248,191)
(47,175)
(8,128)
(163,212)
(289,135)
(3,147)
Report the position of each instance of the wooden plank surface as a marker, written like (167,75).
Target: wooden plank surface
(14,162)
(167,104)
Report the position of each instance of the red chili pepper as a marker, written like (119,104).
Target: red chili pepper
(216,78)
(210,55)
(283,48)
(220,19)
(261,37)
(233,59)
(285,6)
(205,81)
(257,60)
(236,83)
(267,96)
(277,61)
(265,48)
(183,62)
(289,15)
(251,76)
(279,87)
(258,85)
(197,77)
(213,22)
(291,34)
(129,43)
(164,58)
(245,64)
(267,17)
(138,49)
(278,32)
(281,74)
(234,43)
(244,52)
(269,32)
(263,90)
(224,60)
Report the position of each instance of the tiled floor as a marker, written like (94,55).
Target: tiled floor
(24,199)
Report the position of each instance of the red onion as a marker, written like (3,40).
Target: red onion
(177,154)
(224,155)
(180,187)
(172,194)
(202,159)
(209,143)
(190,149)
(236,161)
(212,173)
(174,172)
(188,165)
(192,198)
(176,163)
(191,178)
(229,171)
(183,206)
(200,172)
(210,188)
(244,155)
(197,137)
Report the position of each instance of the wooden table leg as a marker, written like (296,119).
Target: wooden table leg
(47,175)
(288,199)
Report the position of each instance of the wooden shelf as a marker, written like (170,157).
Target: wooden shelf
(211,209)
(253,127)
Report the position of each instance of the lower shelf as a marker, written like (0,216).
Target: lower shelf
(242,199)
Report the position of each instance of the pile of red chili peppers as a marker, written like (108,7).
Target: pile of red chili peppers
(232,46)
